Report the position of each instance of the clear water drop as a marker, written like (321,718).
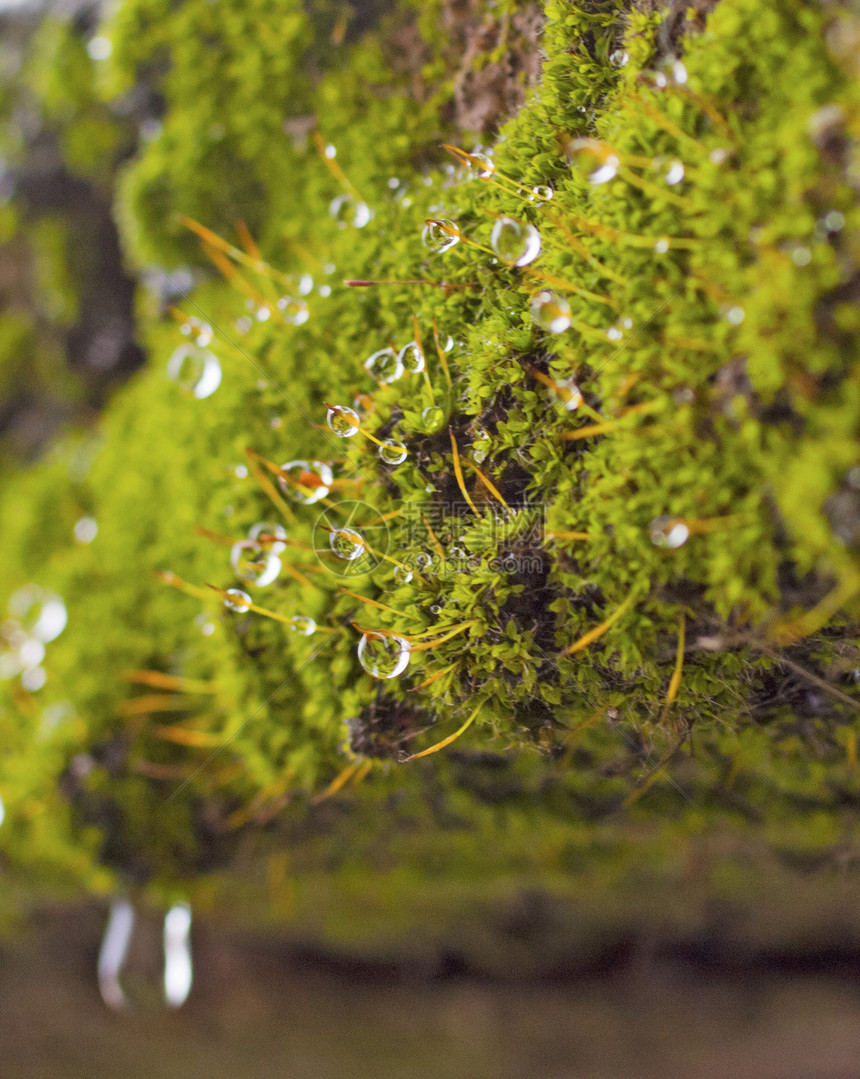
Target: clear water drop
(342,421)
(483,165)
(423,560)
(670,169)
(619,57)
(393,452)
(456,552)
(347,543)
(294,311)
(253,563)
(302,624)
(661,245)
(306,285)
(384,366)
(237,600)
(199,331)
(411,358)
(41,614)
(543,193)
(668,532)
(551,311)
(195,370)
(305,481)
(432,419)
(597,162)
(86,529)
(402,575)
(271,536)
(382,656)
(263,313)
(349,212)
(480,448)
(569,394)
(440,234)
(516,243)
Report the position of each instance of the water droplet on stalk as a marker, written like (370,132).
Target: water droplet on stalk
(384,366)
(542,192)
(671,169)
(237,600)
(302,624)
(437,237)
(40,613)
(551,311)
(668,532)
(402,575)
(411,358)
(483,165)
(382,656)
(347,543)
(199,331)
(278,534)
(393,452)
(619,57)
(295,312)
(423,560)
(251,562)
(305,481)
(480,447)
(598,162)
(195,370)
(432,419)
(342,421)
(349,212)
(516,243)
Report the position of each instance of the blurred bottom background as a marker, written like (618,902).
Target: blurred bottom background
(263,1007)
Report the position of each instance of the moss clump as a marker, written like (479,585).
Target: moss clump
(677,464)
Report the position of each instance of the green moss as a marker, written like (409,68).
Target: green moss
(712,306)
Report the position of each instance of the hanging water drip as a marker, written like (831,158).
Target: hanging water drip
(411,358)
(349,212)
(236,600)
(342,420)
(440,235)
(144,963)
(293,311)
(253,563)
(598,162)
(551,311)
(432,419)
(383,656)
(306,481)
(384,365)
(271,536)
(393,452)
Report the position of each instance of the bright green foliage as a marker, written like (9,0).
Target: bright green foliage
(714,340)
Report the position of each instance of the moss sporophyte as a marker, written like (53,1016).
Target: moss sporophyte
(591,383)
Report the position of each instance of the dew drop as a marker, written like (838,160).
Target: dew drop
(33,678)
(619,57)
(251,562)
(661,246)
(718,156)
(801,256)
(440,234)
(569,394)
(305,481)
(263,314)
(382,656)
(402,575)
(480,447)
(423,560)
(86,529)
(342,421)
(671,169)
(40,613)
(668,532)
(551,311)
(349,212)
(295,312)
(199,331)
(432,419)
(347,543)
(734,315)
(542,192)
(598,163)
(271,536)
(411,358)
(834,221)
(195,370)
(302,624)
(237,600)
(483,165)
(384,366)
(516,243)
(393,452)
(457,552)
(306,285)
(675,71)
